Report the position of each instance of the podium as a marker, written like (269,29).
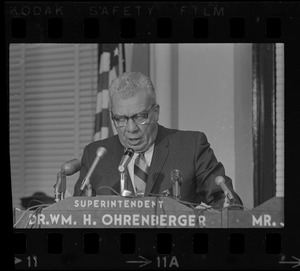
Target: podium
(145,212)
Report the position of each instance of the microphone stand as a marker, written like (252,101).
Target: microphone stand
(123,191)
(176,178)
(123,175)
(85,184)
(86,188)
(60,186)
(228,199)
(122,182)
(176,189)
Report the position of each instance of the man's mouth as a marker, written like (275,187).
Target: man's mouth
(134,140)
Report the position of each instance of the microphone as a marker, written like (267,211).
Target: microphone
(176,178)
(125,159)
(128,153)
(67,168)
(99,154)
(166,193)
(220,181)
(70,167)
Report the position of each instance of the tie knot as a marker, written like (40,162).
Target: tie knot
(141,155)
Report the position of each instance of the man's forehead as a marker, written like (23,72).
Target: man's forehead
(129,106)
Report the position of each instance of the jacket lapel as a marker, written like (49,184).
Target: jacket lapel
(160,155)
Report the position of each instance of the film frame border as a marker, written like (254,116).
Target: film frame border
(147,22)
(267,23)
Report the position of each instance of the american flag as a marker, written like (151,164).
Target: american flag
(111,62)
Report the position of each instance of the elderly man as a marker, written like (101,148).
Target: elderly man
(157,150)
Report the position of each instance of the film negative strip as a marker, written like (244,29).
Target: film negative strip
(229,69)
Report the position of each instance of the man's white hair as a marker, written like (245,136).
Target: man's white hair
(129,84)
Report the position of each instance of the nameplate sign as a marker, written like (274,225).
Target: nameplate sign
(118,212)
(256,219)
(270,214)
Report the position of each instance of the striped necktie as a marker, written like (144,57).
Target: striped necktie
(141,170)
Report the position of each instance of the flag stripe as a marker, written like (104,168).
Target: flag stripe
(108,69)
(103,80)
(102,119)
(104,98)
(104,62)
(104,132)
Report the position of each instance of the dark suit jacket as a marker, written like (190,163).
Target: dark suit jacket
(187,151)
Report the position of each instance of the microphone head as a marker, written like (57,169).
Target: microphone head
(121,168)
(176,175)
(70,167)
(219,180)
(129,152)
(101,151)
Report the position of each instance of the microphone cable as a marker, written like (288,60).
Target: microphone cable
(40,206)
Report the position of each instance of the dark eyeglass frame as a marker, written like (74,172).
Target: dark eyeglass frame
(144,115)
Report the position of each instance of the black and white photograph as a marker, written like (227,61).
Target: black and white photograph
(146,135)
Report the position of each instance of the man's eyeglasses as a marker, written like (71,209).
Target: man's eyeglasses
(140,118)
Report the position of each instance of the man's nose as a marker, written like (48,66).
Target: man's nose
(131,126)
